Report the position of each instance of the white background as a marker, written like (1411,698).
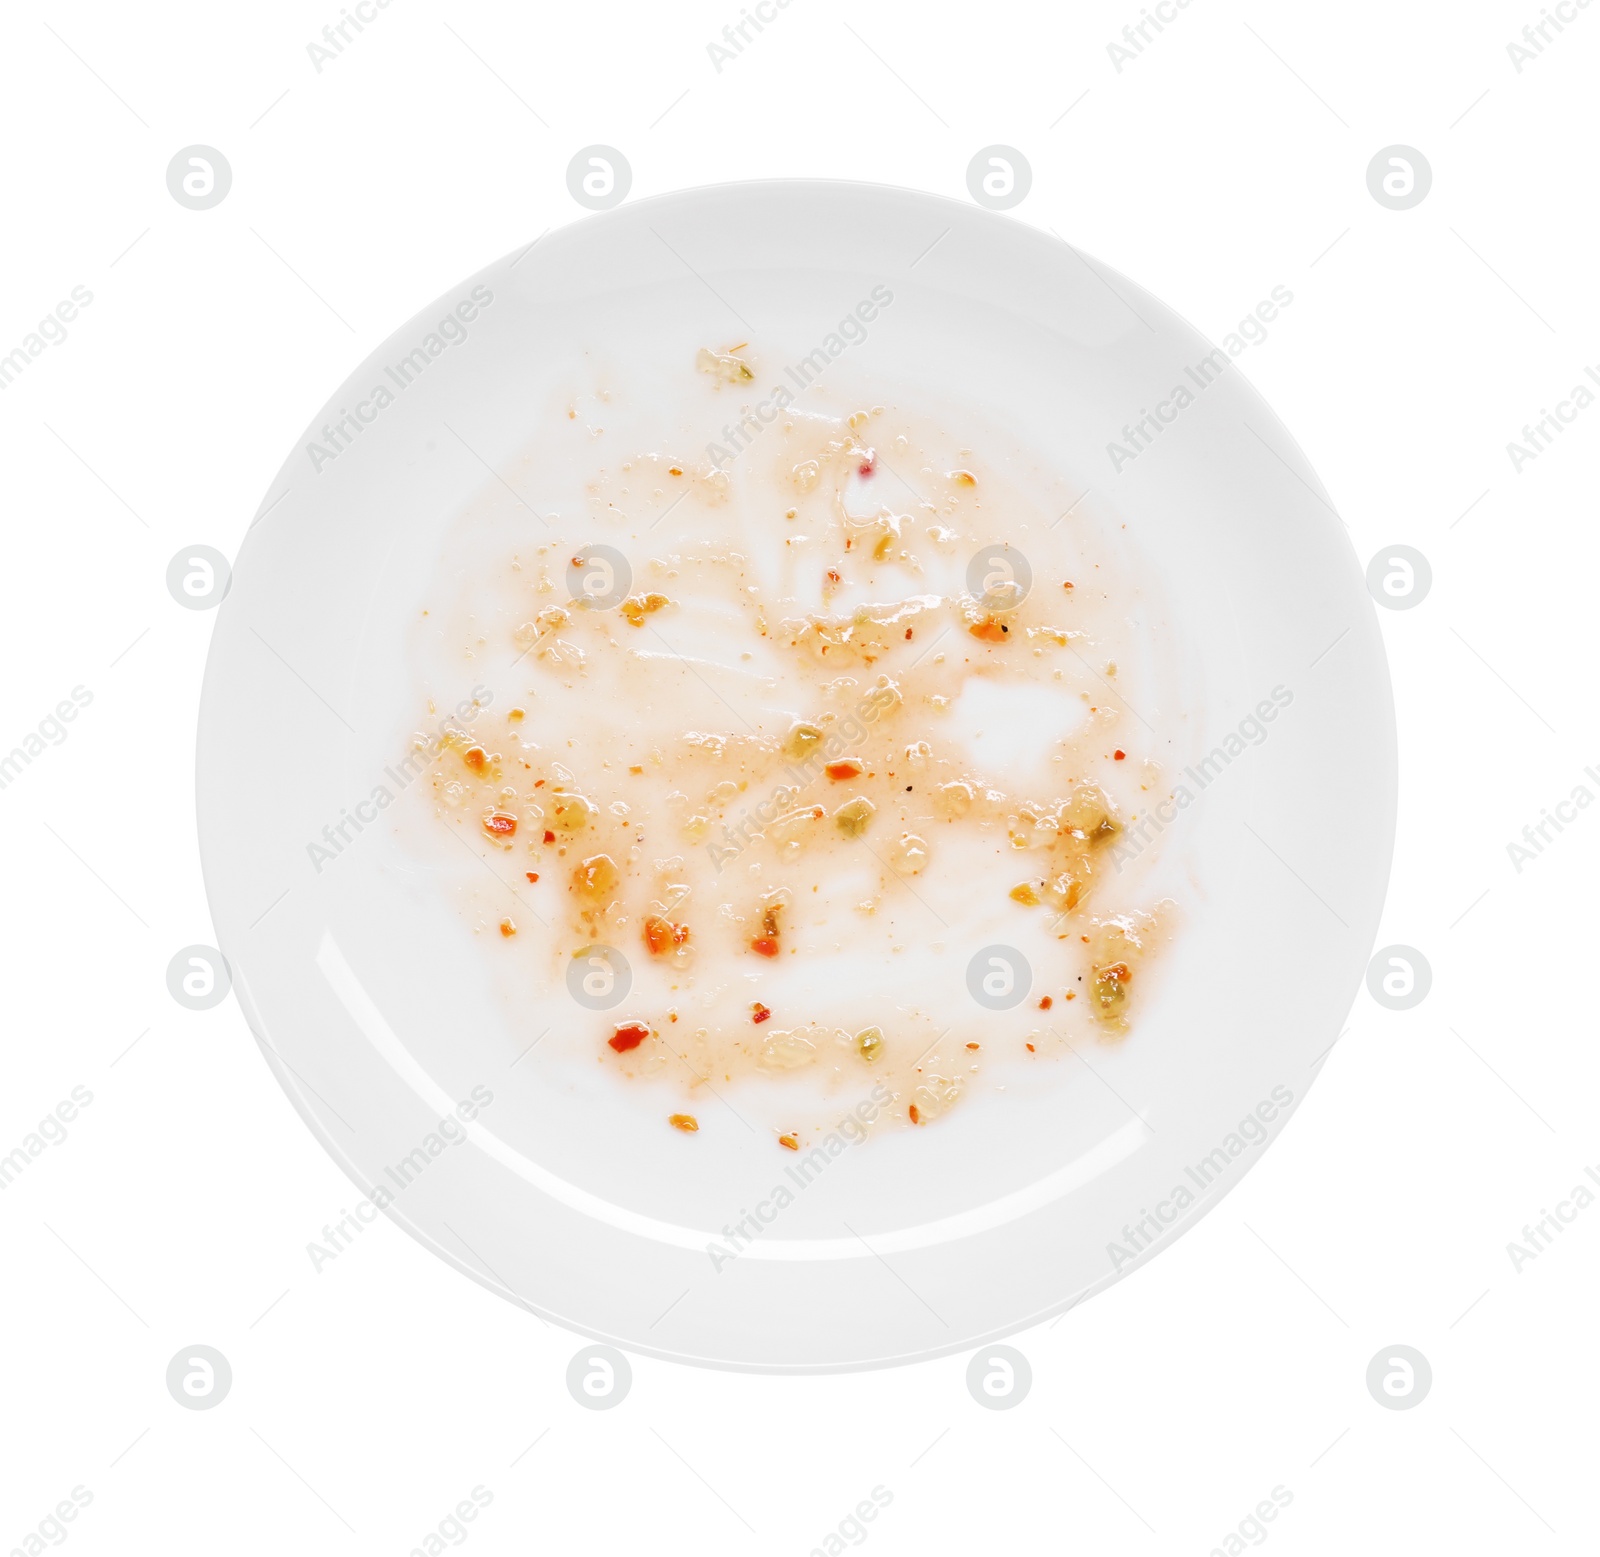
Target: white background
(1229,158)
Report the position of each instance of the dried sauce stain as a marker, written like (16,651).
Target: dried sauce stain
(631,813)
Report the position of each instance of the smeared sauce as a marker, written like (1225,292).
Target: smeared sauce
(810,749)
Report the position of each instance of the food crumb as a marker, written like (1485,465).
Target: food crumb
(507,928)
(629,1035)
(1045,1002)
(791,1140)
(685,1122)
(758,1012)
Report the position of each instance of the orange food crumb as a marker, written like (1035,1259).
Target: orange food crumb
(475,758)
(1119,754)
(500,824)
(767,945)
(662,935)
(1031,1049)
(916,1118)
(532,875)
(515,714)
(791,1141)
(848,769)
(507,928)
(963,478)
(674,470)
(972,1046)
(758,1012)
(685,1122)
(1072,994)
(1045,1002)
(989,630)
(629,1035)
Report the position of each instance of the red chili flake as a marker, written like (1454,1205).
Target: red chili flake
(549,837)
(538,783)
(500,824)
(866,467)
(533,875)
(908,632)
(628,1036)
(767,945)
(833,576)
(1119,754)
(848,769)
(1045,1003)
(758,1012)
(1031,1049)
(916,1118)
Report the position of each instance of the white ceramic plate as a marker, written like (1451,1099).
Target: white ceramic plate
(367,990)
